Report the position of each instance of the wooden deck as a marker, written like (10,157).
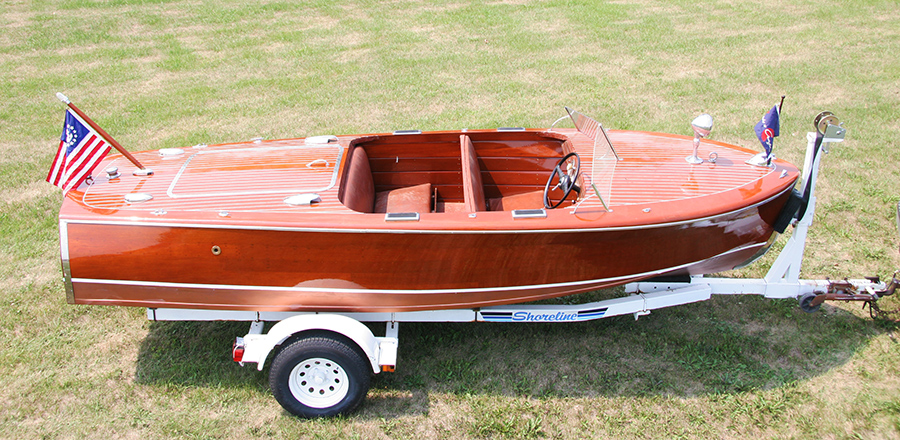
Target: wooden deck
(256,177)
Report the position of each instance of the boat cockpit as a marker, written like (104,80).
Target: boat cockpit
(502,170)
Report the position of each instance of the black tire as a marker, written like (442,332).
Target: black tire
(319,377)
(806,303)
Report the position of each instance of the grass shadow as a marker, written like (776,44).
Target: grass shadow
(198,354)
(727,345)
(193,353)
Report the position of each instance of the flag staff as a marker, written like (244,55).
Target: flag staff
(99,130)
(780,105)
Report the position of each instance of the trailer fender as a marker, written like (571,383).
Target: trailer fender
(257,347)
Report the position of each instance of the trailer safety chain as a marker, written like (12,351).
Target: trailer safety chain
(888,315)
(847,291)
(875,311)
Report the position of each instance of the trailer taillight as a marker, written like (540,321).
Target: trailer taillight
(237,350)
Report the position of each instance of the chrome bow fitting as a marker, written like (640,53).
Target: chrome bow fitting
(702,125)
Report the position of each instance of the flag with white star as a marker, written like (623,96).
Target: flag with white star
(80,150)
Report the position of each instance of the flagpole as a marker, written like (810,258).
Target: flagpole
(780,105)
(99,130)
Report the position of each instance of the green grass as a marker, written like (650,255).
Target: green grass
(162,74)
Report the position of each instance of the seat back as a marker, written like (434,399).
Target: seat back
(359,187)
(473,190)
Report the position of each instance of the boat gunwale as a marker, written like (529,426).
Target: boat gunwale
(628,216)
(392,229)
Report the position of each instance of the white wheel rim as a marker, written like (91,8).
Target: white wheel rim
(318,382)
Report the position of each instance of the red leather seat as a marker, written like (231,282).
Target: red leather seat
(409,199)
(359,190)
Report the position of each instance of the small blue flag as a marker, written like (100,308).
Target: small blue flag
(767,129)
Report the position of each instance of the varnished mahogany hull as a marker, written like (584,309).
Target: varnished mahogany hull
(168,264)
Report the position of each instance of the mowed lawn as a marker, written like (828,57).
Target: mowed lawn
(159,74)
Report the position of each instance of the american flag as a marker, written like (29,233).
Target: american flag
(80,150)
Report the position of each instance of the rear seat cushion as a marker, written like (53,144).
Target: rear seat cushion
(529,200)
(410,199)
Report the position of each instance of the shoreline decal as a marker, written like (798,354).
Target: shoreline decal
(543,315)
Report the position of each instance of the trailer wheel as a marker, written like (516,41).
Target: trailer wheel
(806,303)
(319,377)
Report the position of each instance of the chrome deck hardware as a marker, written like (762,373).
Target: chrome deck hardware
(702,125)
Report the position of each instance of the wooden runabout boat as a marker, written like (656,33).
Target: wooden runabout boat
(409,221)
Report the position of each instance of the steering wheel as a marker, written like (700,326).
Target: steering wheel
(565,179)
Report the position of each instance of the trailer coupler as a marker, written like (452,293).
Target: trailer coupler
(847,291)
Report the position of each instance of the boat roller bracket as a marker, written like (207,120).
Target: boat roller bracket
(823,119)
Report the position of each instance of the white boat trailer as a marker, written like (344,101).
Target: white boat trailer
(323,361)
